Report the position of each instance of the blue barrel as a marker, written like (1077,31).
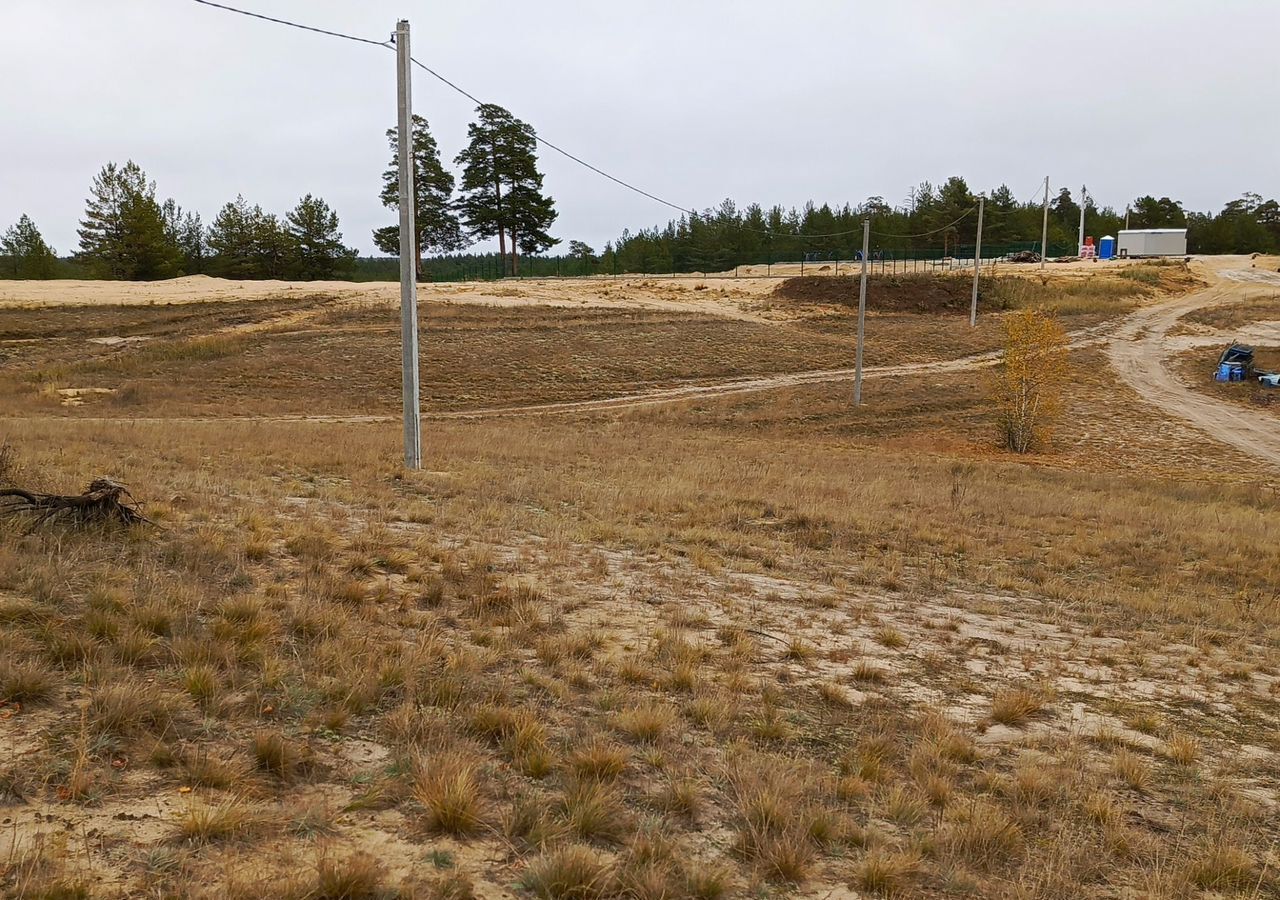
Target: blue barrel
(1107,247)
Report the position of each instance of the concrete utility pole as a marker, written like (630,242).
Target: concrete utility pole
(862,313)
(408,255)
(1044,229)
(1084,200)
(977,263)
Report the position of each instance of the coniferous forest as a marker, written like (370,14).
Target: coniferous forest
(126,232)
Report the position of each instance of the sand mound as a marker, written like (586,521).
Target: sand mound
(894,293)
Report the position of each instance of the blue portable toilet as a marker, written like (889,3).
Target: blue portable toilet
(1229,371)
(1107,247)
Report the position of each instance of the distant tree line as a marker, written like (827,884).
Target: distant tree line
(127,233)
(727,236)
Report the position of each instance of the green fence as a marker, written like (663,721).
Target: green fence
(882,259)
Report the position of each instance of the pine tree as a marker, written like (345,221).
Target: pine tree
(434,219)
(502,187)
(123,233)
(28,256)
(249,243)
(232,240)
(584,255)
(186,231)
(317,249)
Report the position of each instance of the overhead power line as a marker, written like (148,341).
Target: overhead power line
(541,140)
(565,153)
(299,25)
(631,187)
(964,216)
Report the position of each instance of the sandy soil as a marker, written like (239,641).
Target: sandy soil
(724,297)
(726,293)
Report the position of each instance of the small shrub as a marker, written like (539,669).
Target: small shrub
(681,796)
(452,886)
(783,856)
(1027,388)
(708,882)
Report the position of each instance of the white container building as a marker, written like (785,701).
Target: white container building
(1151,242)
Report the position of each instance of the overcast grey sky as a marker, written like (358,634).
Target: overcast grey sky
(695,100)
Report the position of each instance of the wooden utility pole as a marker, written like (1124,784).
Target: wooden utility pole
(408,255)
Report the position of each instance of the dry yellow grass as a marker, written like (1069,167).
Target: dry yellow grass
(744,645)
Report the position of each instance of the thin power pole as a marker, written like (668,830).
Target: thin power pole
(1084,200)
(408,255)
(977,264)
(1044,229)
(862,313)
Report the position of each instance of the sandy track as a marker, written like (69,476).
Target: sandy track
(655,397)
(1138,347)
(1141,349)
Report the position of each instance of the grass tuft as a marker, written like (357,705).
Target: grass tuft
(231,819)
(25,682)
(646,723)
(1015,706)
(448,787)
(573,872)
(599,759)
(355,877)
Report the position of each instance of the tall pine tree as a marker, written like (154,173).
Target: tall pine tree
(502,193)
(123,233)
(434,220)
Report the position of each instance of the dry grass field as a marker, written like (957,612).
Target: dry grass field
(756,643)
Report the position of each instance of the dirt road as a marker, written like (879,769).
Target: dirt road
(1139,347)
(1141,350)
